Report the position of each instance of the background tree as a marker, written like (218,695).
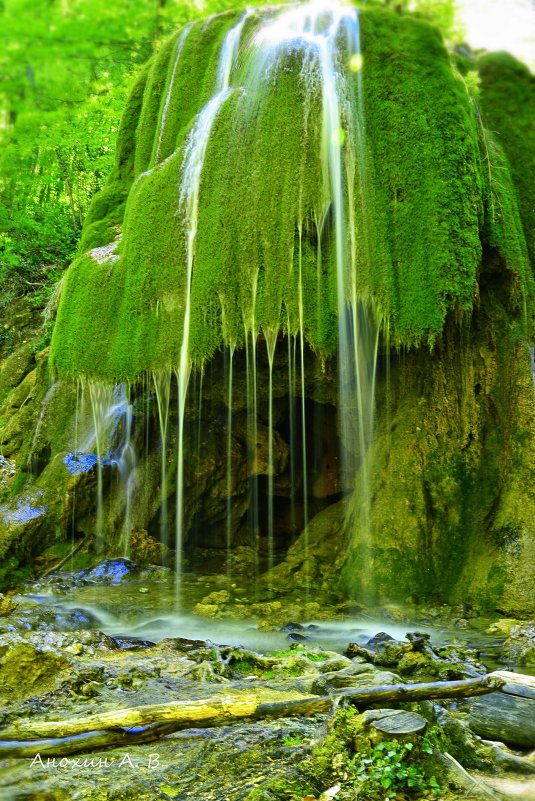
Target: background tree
(65,70)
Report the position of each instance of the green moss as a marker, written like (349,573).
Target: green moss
(507,101)
(420,197)
(422,141)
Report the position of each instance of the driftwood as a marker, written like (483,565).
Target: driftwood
(426,691)
(151,722)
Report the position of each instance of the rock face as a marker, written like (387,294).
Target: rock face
(440,504)
(519,647)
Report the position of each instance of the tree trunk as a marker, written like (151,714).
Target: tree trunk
(151,722)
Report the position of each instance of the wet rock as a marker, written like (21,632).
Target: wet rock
(293,627)
(411,662)
(349,676)
(464,745)
(391,612)
(181,646)
(519,648)
(26,669)
(503,627)
(213,604)
(417,658)
(39,617)
(379,639)
(111,571)
(294,636)
(129,643)
(507,718)
(335,663)
(461,623)
(75,648)
(146,550)
(205,672)
(7,605)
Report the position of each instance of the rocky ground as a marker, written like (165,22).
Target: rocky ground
(56,664)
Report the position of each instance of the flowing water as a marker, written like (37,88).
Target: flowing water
(229,481)
(327,35)
(179,47)
(271,344)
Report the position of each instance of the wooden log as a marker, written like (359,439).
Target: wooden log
(390,693)
(207,712)
(516,683)
(509,677)
(153,721)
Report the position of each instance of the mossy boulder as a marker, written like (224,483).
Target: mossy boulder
(418,192)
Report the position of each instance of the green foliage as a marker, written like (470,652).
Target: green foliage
(13,573)
(65,73)
(437,181)
(301,649)
(389,769)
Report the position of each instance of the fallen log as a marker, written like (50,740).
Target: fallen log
(425,691)
(151,722)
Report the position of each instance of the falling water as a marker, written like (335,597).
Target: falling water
(162,386)
(330,35)
(291,416)
(252,434)
(127,463)
(228,520)
(194,155)
(99,395)
(271,344)
(108,407)
(179,47)
(303,398)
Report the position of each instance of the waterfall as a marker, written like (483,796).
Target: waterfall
(325,37)
(329,36)
(193,161)
(228,510)
(162,386)
(271,344)
(111,437)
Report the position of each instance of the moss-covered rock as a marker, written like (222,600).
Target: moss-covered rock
(417,196)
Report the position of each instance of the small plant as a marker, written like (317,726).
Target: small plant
(390,768)
(293,740)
